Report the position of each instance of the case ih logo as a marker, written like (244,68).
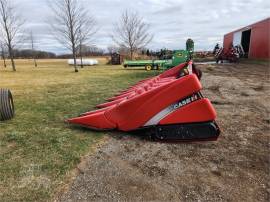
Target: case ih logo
(186,101)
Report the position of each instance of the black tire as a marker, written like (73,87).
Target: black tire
(197,71)
(200,74)
(6,105)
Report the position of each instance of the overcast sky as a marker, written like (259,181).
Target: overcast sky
(172,21)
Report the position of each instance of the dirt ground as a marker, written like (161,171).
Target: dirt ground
(235,168)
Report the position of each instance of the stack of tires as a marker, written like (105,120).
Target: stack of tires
(6,105)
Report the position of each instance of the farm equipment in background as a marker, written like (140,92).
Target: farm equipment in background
(166,61)
(190,47)
(116,59)
(148,64)
(168,107)
(6,105)
(233,54)
(178,57)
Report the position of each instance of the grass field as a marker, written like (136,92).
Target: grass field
(38,151)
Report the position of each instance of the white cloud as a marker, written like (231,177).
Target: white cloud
(172,21)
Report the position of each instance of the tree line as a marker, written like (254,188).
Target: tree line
(74,27)
(38,54)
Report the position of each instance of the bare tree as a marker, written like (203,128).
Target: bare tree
(32,40)
(131,32)
(3,54)
(72,24)
(112,49)
(80,47)
(11,24)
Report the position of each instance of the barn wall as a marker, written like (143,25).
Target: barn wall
(259,40)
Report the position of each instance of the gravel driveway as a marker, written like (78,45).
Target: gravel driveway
(235,168)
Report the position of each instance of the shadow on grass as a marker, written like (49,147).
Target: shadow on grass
(119,135)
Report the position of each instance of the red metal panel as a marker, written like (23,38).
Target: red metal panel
(228,39)
(260,40)
(202,108)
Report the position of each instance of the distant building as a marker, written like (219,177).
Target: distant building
(254,38)
(116,59)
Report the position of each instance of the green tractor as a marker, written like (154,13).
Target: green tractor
(173,59)
(178,57)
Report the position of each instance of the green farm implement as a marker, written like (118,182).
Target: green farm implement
(177,57)
(148,64)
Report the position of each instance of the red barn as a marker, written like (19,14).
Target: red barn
(255,39)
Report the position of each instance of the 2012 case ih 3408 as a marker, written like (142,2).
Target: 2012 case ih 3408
(168,107)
